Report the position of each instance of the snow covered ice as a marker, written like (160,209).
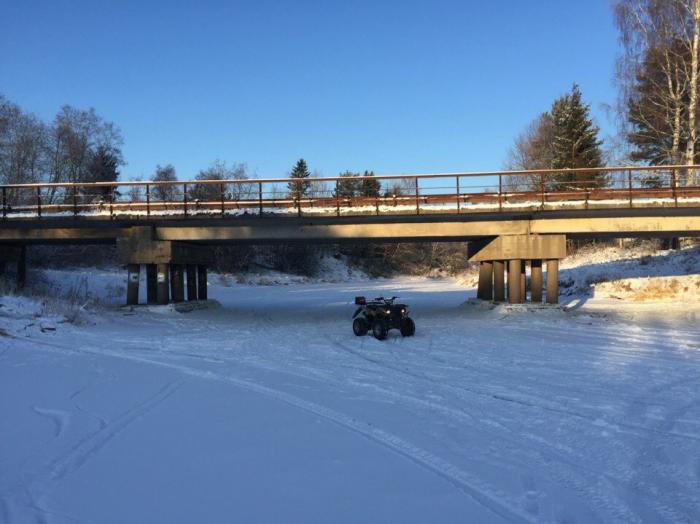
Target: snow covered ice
(266,408)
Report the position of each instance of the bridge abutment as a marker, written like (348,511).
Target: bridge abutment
(516,251)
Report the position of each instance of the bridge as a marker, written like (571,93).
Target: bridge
(510,219)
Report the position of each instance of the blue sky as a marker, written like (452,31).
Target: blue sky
(397,87)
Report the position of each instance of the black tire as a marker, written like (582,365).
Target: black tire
(379,329)
(360,327)
(408,327)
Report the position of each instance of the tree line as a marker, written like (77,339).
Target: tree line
(657,108)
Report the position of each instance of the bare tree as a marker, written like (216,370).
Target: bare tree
(532,149)
(165,192)
(219,170)
(658,78)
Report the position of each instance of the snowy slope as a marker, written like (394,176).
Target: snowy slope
(266,408)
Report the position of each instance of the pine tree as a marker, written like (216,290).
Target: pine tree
(299,187)
(576,143)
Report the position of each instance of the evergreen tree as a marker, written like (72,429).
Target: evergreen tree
(370,187)
(348,188)
(300,186)
(576,143)
(102,167)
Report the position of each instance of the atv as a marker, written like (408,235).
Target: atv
(380,315)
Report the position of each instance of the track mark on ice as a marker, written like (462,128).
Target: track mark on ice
(488,497)
(58,417)
(94,442)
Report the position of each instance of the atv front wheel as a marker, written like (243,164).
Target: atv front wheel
(379,330)
(408,327)
(360,327)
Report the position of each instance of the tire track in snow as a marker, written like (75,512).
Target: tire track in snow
(598,494)
(488,497)
(93,443)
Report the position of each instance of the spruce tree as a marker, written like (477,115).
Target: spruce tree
(298,189)
(370,187)
(576,143)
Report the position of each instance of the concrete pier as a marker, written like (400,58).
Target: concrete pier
(499,293)
(202,282)
(177,283)
(514,281)
(132,284)
(151,284)
(191,282)
(552,281)
(536,281)
(485,287)
(523,282)
(163,287)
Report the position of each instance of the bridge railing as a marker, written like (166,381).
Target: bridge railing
(469,192)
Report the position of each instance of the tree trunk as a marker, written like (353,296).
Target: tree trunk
(692,110)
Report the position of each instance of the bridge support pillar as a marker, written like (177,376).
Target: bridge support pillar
(191,282)
(165,262)
(536,281)
(202,282)
(499,293)
(132,284)
(162,290)
(151,284)
(485,288)
(523,281)
(552,281)
(177,283)
(514,281)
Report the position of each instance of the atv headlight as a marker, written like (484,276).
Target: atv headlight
(388,311)
(403,310)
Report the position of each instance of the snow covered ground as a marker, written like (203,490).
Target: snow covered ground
(266,408)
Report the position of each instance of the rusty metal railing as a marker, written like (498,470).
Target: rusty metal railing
(462,192)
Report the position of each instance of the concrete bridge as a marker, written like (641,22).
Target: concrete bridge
(510,219)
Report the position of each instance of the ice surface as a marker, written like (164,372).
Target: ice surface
(268,409)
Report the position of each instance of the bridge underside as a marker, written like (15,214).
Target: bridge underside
(643,222)
(171,248)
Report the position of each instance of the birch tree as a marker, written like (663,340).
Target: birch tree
(658,79)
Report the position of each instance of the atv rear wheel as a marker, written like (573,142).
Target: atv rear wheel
(408,327)
(379,330)
(360,327)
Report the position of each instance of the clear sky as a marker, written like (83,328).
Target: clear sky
(397,87)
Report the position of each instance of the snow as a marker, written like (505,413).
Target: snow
(264,407)
(405,205)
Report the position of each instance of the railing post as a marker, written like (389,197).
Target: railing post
(4,202)
(221,195)
(75,200)
(337,198)
(260,198)
(458,199)
(111,202)
(417,201)
(38,201)
(148,200)
(298,184)
(674,183)
(184,198)
(542,190)
(500,192)
(629,185)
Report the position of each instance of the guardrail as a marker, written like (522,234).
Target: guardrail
(542,190)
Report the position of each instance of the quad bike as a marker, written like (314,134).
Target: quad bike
(380,315)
